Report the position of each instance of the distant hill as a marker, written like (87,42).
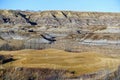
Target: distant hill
(59,18)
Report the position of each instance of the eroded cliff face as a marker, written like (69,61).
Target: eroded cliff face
(66,30)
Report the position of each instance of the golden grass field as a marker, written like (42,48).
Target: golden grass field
(81,63)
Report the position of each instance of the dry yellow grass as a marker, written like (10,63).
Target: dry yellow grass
(51,58)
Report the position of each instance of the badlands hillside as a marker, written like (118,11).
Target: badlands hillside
(59,45)
(65,30)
